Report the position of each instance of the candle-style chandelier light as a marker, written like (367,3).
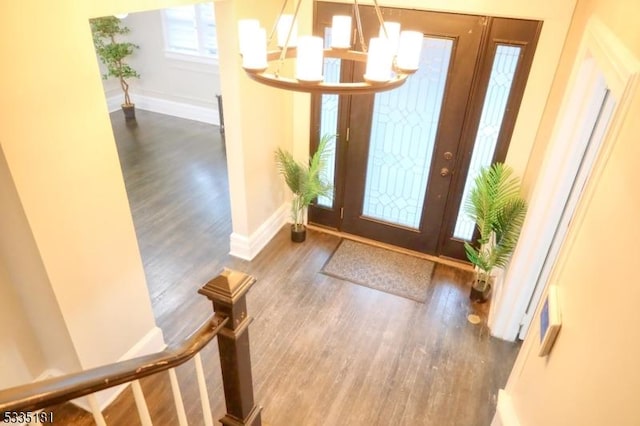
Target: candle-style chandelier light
(390,58)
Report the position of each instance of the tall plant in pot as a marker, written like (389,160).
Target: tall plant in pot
(305,181)
(498,209)
(113,55)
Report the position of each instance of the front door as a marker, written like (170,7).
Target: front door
(403,143)
(401,156)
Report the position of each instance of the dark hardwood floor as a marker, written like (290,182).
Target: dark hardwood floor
(175,172)
(324,351)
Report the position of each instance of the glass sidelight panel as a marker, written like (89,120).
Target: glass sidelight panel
(403,135)
(329,119)
(502,73)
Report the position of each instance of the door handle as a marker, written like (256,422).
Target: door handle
(444,172)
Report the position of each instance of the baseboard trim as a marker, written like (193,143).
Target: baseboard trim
(248,247)
(150,343)
(175,109)
(505,413)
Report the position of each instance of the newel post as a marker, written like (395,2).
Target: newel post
(228,293)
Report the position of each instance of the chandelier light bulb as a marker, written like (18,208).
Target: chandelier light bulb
(393,34)
(379,61)
(341,32)
(254,56)
(408,57)
(247,29)
(388,65)
(285,24)
(310,58)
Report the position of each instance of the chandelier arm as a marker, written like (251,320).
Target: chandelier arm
(380,18)
(384,30)
(359,26)
(283,54)
(275,25)
(371,83)
(359,88)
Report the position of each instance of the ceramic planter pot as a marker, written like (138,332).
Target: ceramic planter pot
(480,296)
(129,112)
(298,233)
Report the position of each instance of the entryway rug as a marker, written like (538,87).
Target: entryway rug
(396,273)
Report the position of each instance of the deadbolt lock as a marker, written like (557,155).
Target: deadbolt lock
(448,155)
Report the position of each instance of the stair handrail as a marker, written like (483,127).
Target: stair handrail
(48,392)
(229,323)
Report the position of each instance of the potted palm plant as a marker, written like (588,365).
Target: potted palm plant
(113,54)
(305,182)
(498,209)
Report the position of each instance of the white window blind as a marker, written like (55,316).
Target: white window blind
(191,30)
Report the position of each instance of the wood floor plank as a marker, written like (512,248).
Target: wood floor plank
(325,352)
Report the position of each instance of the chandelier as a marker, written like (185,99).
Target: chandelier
(390,58)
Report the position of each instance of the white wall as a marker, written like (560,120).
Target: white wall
(169,84)
(179,87)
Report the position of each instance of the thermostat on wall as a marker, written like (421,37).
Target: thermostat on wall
(550,321)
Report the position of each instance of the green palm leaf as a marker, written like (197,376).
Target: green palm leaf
(305,181)
(495,205)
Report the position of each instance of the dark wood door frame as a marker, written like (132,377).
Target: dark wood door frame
(354,109)
(464,32)
(500,31)
(331,216)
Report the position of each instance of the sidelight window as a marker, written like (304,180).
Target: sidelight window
(504,67)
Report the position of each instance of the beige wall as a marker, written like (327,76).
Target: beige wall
(591,376)
(20,357)
(63,165)
(60,153)
(33,335)
(258,119)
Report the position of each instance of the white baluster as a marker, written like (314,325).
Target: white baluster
(141,404)
(177,397)
(95,410)
(204,395)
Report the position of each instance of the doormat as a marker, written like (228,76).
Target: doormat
(381,269)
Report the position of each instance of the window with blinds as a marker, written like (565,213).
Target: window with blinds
(191,30)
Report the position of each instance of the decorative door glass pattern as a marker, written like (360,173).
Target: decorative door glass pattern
(503,70)
(403,134)
(329,120)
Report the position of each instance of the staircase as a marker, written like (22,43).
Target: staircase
(229,323)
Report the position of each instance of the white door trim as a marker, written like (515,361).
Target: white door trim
(597,127)
(600,51)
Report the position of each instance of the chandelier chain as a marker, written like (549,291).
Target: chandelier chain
(274,29)
(380,18)
(359,26)
(283,53)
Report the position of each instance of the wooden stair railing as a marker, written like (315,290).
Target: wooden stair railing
(229,322)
